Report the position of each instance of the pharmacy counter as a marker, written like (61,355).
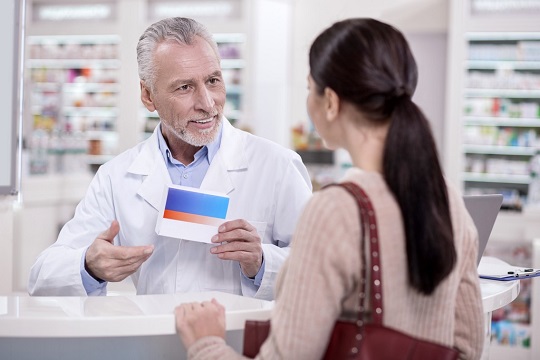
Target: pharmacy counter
(139,327)
(112,327)
(495,295)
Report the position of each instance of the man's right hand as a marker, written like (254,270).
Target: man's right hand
(105,261)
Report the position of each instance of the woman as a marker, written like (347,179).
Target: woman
(362,77)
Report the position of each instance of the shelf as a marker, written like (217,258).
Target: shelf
(73,39)
(502,36)
(90,111)
(232,63)
(100,134)
(234,89)
(76,87)
(502,64)
(98,159)
(47,86)
(502,121)
(505,93)
(498,150)
(496,178)
(91,87)
(77,111)
(229,38)
(73,63)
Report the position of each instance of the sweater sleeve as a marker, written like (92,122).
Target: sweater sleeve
(318,277)
(315,279)
(469,316)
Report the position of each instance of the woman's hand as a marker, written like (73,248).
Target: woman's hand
(197,320)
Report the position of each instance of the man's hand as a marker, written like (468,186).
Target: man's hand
(105,261)
(197,320)
(240,242)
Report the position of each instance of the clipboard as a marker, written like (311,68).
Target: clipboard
(495,269)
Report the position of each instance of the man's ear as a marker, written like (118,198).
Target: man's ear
(332,104)
(146,97)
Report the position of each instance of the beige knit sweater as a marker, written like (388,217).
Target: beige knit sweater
(319,281)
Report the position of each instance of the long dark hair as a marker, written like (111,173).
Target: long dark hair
(369,64)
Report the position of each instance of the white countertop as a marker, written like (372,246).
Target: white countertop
(148,315)
(496,294)
(105,316)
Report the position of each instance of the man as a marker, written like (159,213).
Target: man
(112,234)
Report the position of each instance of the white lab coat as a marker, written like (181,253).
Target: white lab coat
(268,185)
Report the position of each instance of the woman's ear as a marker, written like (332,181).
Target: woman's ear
(332,104)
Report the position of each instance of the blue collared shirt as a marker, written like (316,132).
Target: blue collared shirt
(190,175)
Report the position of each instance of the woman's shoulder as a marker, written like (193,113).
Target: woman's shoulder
(330,205)
(331,198)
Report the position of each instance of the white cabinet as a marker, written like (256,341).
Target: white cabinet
(49,201)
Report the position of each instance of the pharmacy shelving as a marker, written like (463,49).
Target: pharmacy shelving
(73,87)
(492,128)
(501,119)
(231,48)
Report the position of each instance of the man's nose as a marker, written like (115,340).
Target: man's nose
(204,100)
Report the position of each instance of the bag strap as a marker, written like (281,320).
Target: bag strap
(368,225)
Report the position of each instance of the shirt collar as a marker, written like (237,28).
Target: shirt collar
(210,149)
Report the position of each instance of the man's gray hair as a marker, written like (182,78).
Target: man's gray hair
(180,29)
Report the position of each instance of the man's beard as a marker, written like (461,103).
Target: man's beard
(199,137)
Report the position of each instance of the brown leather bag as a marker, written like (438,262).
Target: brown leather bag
(360,340)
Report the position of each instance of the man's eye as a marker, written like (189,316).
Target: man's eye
(183,87)
(213,81)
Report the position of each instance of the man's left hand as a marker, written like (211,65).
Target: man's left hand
(240,242)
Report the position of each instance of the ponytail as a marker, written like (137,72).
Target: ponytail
(412,171)
(369,64)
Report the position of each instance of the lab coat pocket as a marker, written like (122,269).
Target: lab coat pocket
(261,228)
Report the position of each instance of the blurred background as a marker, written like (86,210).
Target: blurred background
(479,85)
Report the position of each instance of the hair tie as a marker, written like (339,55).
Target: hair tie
(402,91)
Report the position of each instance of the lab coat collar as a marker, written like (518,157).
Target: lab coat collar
(149,163)
(230,157)
(233,142)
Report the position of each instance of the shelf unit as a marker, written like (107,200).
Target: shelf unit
(501,120)
(233,62)
(254,56)
(72,81)
(492,127)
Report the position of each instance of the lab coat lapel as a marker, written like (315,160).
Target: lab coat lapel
(230,157)
(149,163)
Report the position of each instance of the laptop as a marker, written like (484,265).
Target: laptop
(483,210)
